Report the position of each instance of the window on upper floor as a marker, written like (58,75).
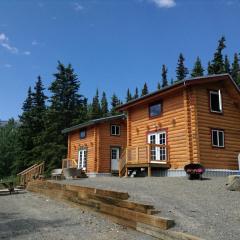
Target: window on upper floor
(217,138)
(82,133)
(215,101)
(155,109)
(115,130)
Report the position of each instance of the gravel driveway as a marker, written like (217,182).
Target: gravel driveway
(29,216)
(202,208)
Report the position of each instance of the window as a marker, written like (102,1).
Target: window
(217,138)
(82,133)
(155,109)
(115,130)
(216,101)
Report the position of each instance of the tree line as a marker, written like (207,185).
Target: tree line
(38,137)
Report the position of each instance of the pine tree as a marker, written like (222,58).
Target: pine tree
(217,64)
(25,139)
(210,69)
(96,107)
(114,103)
(9,151)
(227,68)
(158,86)
(164,76)
(64,111)
(197,69)
(38,121)
(144,90)
(172,81)
(235,71)
(129,96)
(104,105)
(181,70)
(136,95)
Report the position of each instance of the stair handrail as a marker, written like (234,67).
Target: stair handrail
(122,161)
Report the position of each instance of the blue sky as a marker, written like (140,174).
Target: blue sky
(112,44)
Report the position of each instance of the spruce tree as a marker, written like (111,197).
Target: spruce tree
(235,71)
(38,121)
(210,69)
(104,105)
(64,111)
(25,140)
(114,103)
(181,70)
(197,69)
(136,95)
(129,96)
(144,90)
(227,67)
(164,76)
(217,64)
(158,86)
(96,107)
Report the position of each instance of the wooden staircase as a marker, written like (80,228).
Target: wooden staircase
(122,164)
(36,171)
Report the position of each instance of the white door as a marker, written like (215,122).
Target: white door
(158,153)
(114,158)
(82,159)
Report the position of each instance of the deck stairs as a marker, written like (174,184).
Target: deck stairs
(35,171)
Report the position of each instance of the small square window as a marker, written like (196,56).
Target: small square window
(216,101)
(115,130)
(82,133)
(217,138)
(155,109)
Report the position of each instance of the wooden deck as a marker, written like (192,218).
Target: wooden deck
(144,156)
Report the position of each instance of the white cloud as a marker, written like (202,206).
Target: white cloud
(78,6)
(164,3)
(34,42)
(7,65)
(4,42)
(27,53)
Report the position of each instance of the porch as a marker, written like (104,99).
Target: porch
(146,156)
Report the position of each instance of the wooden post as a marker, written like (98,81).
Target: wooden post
(148,153)
(126,173)
(149,170)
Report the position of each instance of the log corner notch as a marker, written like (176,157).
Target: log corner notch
(114,204)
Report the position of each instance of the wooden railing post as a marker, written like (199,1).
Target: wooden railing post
(148,153)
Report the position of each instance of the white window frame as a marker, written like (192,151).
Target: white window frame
(114,130)
(217,92)
(160,153)
(223,134)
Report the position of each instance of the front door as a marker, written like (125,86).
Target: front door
(115,154)
(82,159)
(158,153)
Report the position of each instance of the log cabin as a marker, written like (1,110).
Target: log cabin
(95,146)
(192,121)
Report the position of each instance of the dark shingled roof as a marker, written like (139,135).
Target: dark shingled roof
(182,82)
(93,122)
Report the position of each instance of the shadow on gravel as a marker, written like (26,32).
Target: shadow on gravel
(11,226)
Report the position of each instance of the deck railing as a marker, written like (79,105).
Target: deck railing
(33,172)
(69,163)
(147,154)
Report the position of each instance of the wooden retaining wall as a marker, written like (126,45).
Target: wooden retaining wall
(116,204)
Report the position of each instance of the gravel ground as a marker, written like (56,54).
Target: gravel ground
(29,216)
(202,208)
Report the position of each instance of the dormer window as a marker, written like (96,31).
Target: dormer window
(216,101)
(82,133)
(155,109)
(115,130)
